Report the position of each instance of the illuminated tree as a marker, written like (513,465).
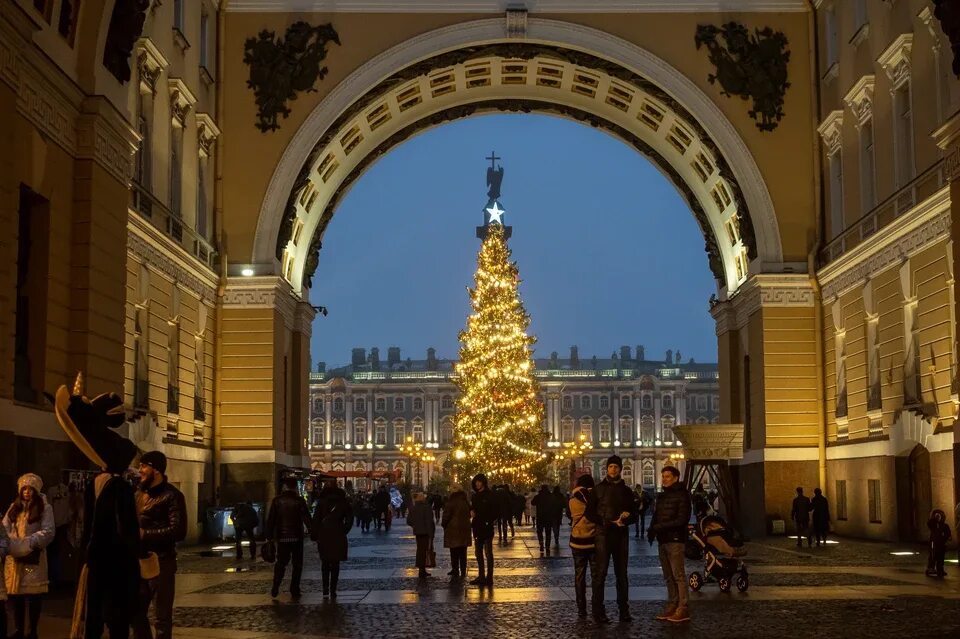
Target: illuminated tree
(497,427)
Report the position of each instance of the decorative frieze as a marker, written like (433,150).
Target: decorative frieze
(106,138)
(262,292)
(860,100)
(181,101)
(895,60)
(759,291)
(831,130)
(148,246)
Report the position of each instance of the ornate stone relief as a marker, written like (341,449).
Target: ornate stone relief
(860,100)
(262,292)
(150,64)
(126,25)
(282,67)
(181,101)
(895,60)
(749,65)
(153,251)
(831,130)
(759,291)
(207,133)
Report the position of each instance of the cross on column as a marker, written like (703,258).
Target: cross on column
(493,159)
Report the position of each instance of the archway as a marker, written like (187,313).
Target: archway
(561,68)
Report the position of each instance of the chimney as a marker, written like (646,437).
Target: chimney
(359,357)
(393,356)
(321,367)
(624,353)
(431,359)
(375,358)
(574,358)
(669,356)
(641,356)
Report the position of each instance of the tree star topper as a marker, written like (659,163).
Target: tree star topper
(496,213)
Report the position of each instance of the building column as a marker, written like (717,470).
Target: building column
(328,426)
(348,416)
(657,427)
(369,437)
(615,400)
(636,414)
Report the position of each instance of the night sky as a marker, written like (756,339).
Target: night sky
(609,253)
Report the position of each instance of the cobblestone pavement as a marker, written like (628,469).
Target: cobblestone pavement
(846,589)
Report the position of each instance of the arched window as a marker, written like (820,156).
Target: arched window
(567,402)
(338,405)
(359,431)
(398,404)
(380,466)
(646,401)
(446,432)
(418,403)
(380,404)
(585,402)
(646,430)
(647,477)
(604,402)
(399,431)
(586,428)
(625,402)
(566,428)
(317,428)
(380,431)
(359,405)
(626,429)
(418,430)
(627,474)
(317,405)
(338,432)
(667,401)
(605,429)
(446,403)
(667,423)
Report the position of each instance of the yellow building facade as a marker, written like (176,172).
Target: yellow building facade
(167,180)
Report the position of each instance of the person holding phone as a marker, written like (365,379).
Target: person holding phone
(618,511)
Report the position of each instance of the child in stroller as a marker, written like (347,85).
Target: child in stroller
(712,540)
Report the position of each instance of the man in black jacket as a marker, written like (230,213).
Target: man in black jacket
(616,508)
(162,513)
(669,528)
(245,520)
(544,504)
(800,514)
(286,522)
(483,510)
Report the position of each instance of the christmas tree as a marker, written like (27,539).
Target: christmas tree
(499,412)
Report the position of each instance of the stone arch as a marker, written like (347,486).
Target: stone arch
(472,68)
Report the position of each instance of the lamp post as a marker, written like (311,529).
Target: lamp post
(411,449)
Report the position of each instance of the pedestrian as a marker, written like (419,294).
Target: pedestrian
(643,503)
(583,534)
(504,500)
(162,517)
(669,528)
(484,514)
(109,583)
(456,531)
(286,521)
(939,536)
(519,503)
(528,510)
(421,521)
(542,502)
(381,504)
(821,516)
(800,514)
(559,506)
(245,520)
(332,520)
(617,512)
(436,501)
(29,525)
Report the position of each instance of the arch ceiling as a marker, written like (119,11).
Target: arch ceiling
(544,77)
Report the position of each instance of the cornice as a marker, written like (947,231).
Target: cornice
(895,59)
(500,6)
(831,130)
(181,100)
(271,292)
(910,233)
(763,290)
(147,244)
(207,133)
(105,137)
(150,64)
(859,99)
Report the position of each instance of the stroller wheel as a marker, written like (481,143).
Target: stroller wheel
(724,583)
(696,581)
(743,582)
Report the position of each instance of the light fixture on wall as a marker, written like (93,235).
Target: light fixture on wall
(247,272)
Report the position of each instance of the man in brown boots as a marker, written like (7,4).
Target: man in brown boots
(669,528)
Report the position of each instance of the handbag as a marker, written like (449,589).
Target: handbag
(268,552)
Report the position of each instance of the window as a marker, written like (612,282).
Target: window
(418,403)
(399,431)
(380,404)
(176,170)
(142,163)
(359,405)
(45,7)
(830,36)
(627,474)
(446,403)
(841,505)
(605,429)
(380,432)
(647,476)
(868,182)
(835,166)
(178,17)
(903,140)
(586,428)
(67,25)
(715,400)
(446,433)
(624,402)
(173,353)
(873,499)
(199,365)
(359,431)
(397,404)
(205,40)
(667,429)
(646,430)
(33,257)
(338,405)
(316,432)
(317,405)
(626,429)
(585,402)
(567,402)
(646,401)
(201,224)
(338,433)
(566,429)
(604,402)
(667,401)
(418,430)
(141,332)
(701,402)
(859,14)
(874,398)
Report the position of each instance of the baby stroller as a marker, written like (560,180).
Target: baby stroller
(712,540)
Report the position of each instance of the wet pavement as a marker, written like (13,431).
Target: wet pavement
(847,589)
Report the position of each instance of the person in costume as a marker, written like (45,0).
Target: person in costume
(107,594)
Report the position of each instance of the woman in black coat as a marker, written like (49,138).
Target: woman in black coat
(332,520)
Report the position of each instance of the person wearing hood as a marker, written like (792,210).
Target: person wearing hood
(162,513)
(939,536)
(30,527)
(583,533)
(456,531)
(332,520)
(484,515)
(421,520)
(617,511)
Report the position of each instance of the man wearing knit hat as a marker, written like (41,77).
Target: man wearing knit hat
(616,507)
(162,512)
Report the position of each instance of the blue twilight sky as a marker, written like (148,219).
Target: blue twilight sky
(609,253)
